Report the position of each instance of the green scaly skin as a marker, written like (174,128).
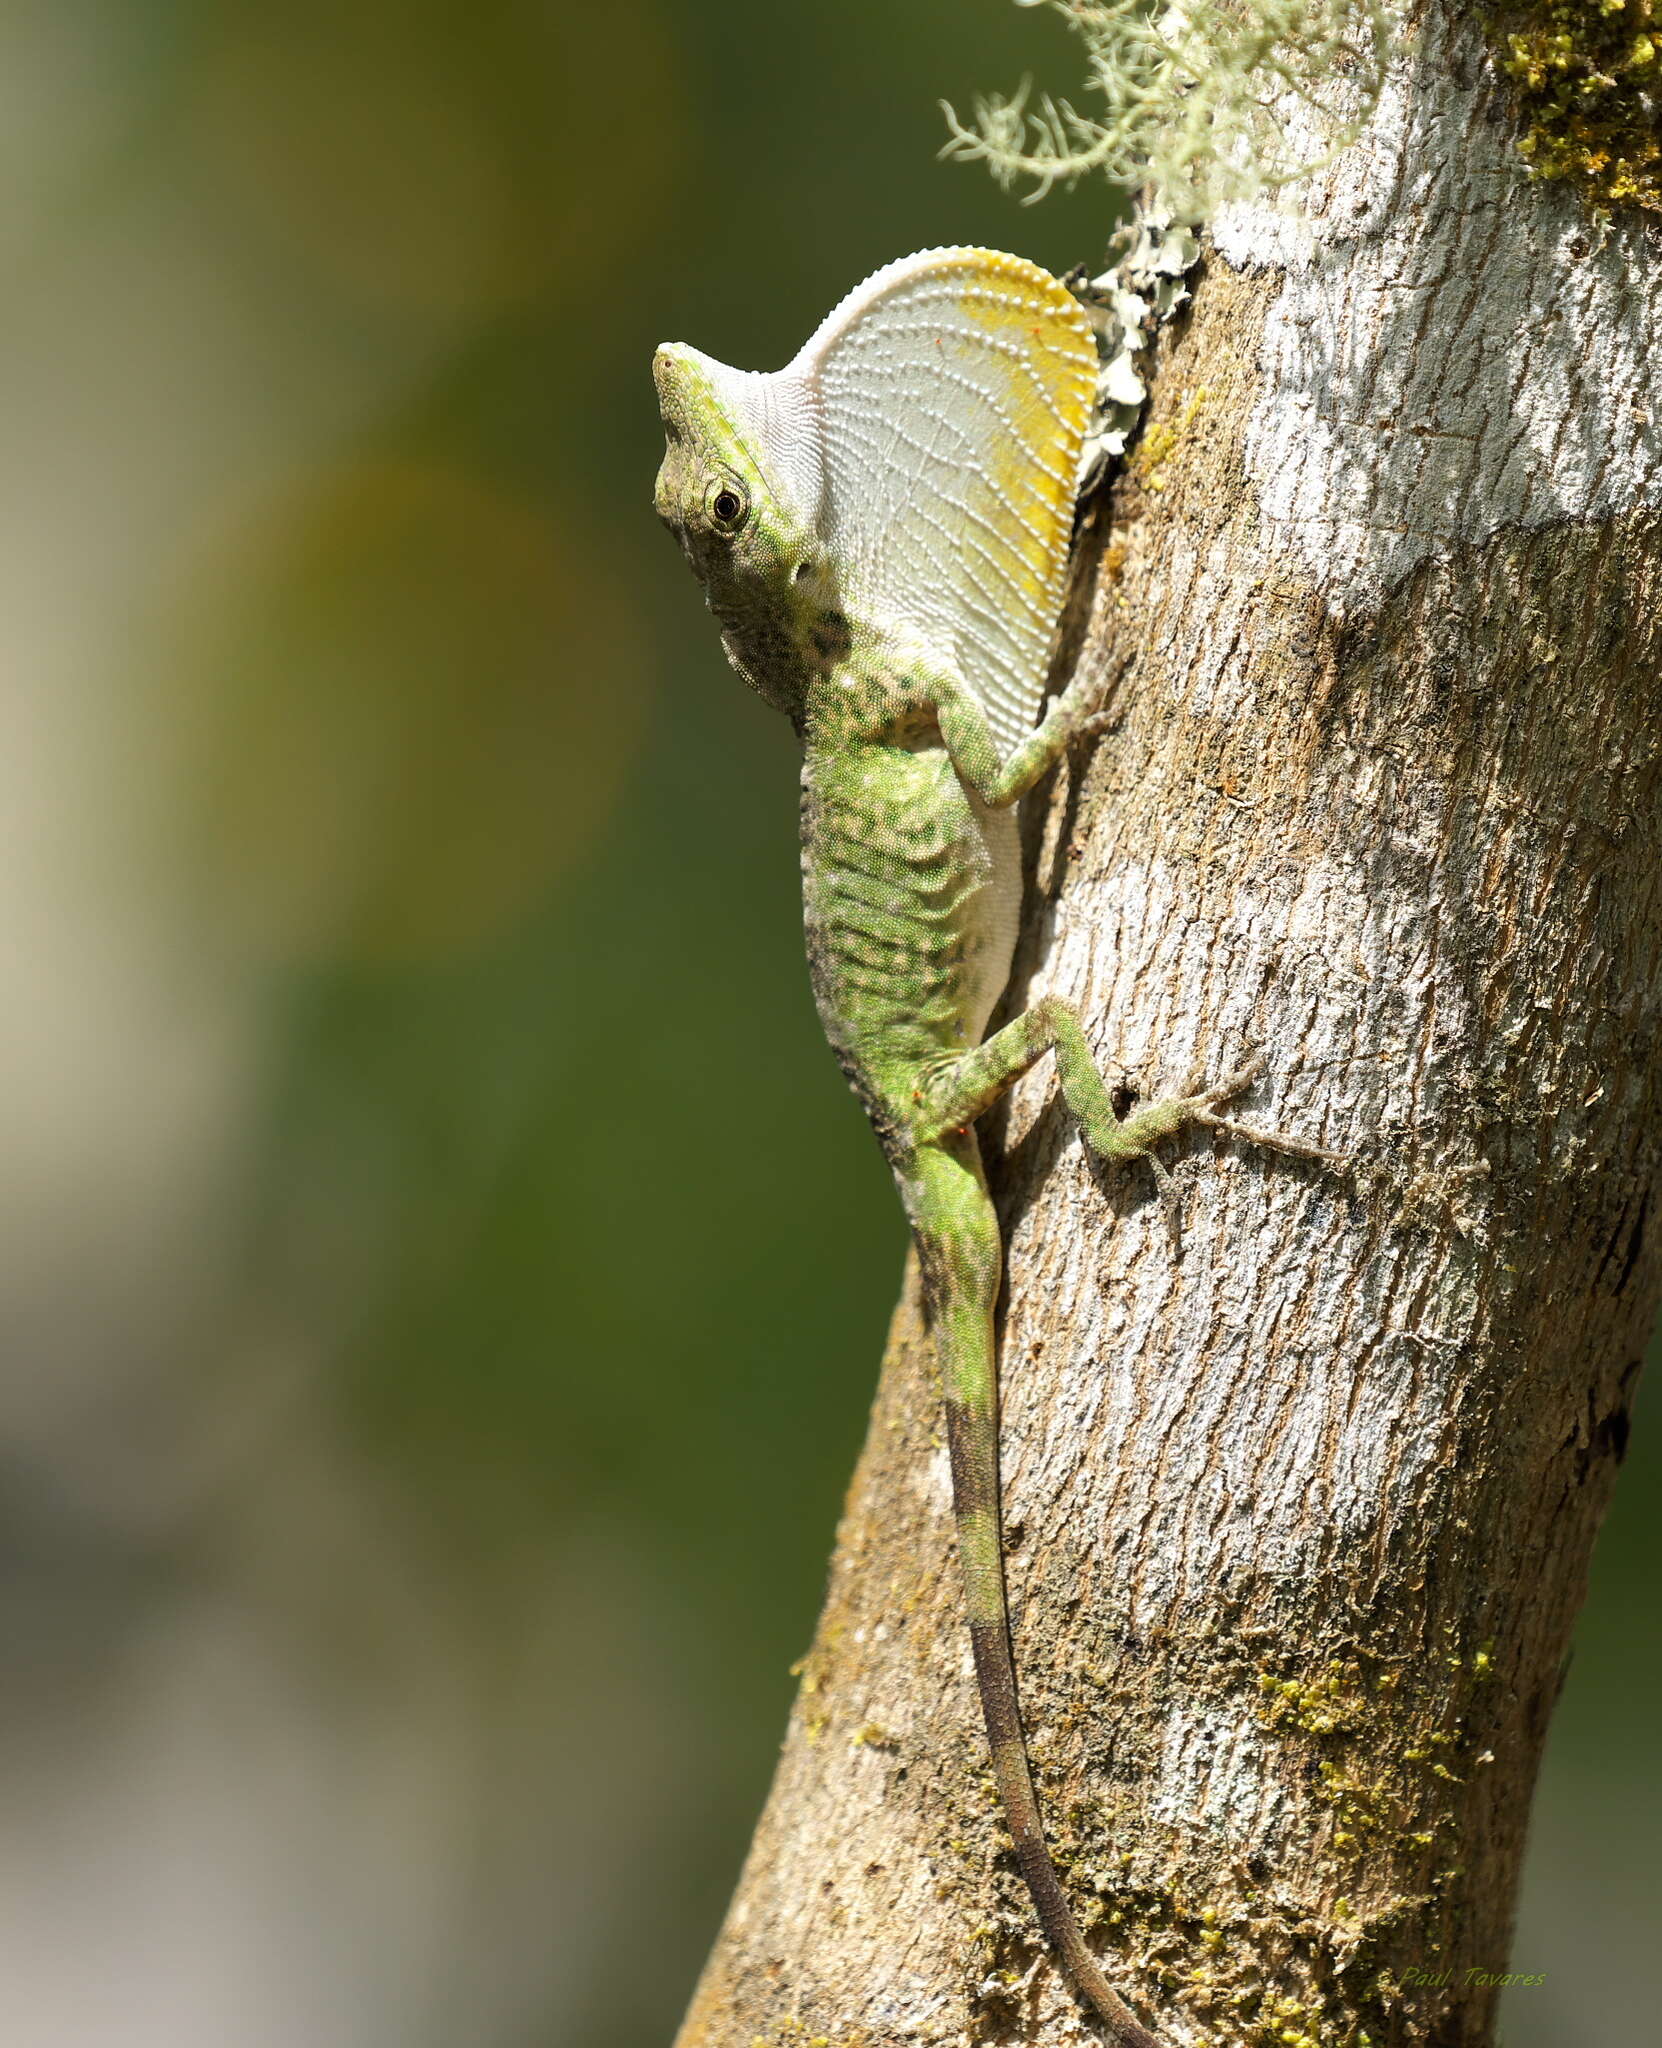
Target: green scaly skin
(911,883)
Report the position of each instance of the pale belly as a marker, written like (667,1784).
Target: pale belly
(911,896)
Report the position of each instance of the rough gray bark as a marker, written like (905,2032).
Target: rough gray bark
(1298,1521)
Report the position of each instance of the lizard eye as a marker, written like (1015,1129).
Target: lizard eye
(728,506)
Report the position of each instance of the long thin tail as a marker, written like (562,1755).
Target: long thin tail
(953,1252)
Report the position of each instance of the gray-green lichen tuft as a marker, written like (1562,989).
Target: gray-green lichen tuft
(1589,73)
(1204,101)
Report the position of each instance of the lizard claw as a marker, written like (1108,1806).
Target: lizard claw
(1166,1187)
(1203,1104)
(1277,1141)
(1205,1099)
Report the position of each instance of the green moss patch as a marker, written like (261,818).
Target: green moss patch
(1590,75)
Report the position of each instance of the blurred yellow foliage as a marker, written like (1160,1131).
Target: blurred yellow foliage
(394,707)
(407,167)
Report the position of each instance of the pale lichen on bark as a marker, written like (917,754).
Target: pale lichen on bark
(1298,1520)
(1195,101)
(1449,354)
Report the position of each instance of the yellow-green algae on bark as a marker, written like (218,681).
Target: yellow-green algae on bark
(1590,76)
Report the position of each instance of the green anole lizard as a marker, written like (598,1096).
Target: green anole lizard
(882,530)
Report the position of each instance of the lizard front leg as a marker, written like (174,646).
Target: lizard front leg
(1073,717)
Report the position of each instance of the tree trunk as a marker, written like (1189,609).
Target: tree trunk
(1298,1518)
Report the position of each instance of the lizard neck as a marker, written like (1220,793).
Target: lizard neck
(784,638)
(876,694)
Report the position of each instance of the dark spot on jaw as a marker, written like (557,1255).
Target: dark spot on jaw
(831,638)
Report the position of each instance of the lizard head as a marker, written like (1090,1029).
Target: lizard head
(902,490)
(765,573)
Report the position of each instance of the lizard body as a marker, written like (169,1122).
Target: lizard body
(882,532)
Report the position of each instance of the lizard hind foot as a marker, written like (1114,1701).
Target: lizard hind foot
(1196,1102)
(1205,1103)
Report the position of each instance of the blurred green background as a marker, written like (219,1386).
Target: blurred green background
(444,1273)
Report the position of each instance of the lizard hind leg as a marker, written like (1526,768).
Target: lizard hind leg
(958,1246)
(957,1093)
